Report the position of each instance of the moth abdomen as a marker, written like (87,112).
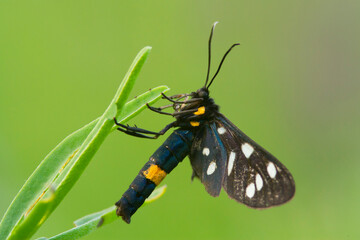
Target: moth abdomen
(161,163)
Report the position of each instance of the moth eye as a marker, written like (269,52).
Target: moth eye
(202,94)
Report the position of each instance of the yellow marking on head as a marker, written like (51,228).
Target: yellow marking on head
(194,124)
(154,174)
(200,111)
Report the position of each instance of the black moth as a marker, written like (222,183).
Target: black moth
(221,155)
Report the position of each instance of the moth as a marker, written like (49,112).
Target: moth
(221,155)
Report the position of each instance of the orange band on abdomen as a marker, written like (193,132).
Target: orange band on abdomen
(154,174)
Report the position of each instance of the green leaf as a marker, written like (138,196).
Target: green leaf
(92,222)
(127,84)
(63,166)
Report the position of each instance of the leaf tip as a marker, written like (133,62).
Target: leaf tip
(156,194)
(147,48)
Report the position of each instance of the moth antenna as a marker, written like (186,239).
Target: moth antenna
(209,46)
(222,61)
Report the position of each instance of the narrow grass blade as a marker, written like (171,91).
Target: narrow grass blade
(92,222)
(63,166)
(127,84)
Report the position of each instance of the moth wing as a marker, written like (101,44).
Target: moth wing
(208,159)
(253,176)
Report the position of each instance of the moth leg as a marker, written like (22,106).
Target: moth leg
(184,104)
(179,96)
(159,109)
(188,101)
(162,107)
(142,133)
(134,134)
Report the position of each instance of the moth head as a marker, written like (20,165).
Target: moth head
(202,93)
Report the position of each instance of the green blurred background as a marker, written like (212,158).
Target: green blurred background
(293,86)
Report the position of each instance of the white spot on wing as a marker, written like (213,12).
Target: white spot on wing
(211,168)
(250,190)
(231,162)
(247,149)
(271,170)
(206,151)
(259,182)
(221,130)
